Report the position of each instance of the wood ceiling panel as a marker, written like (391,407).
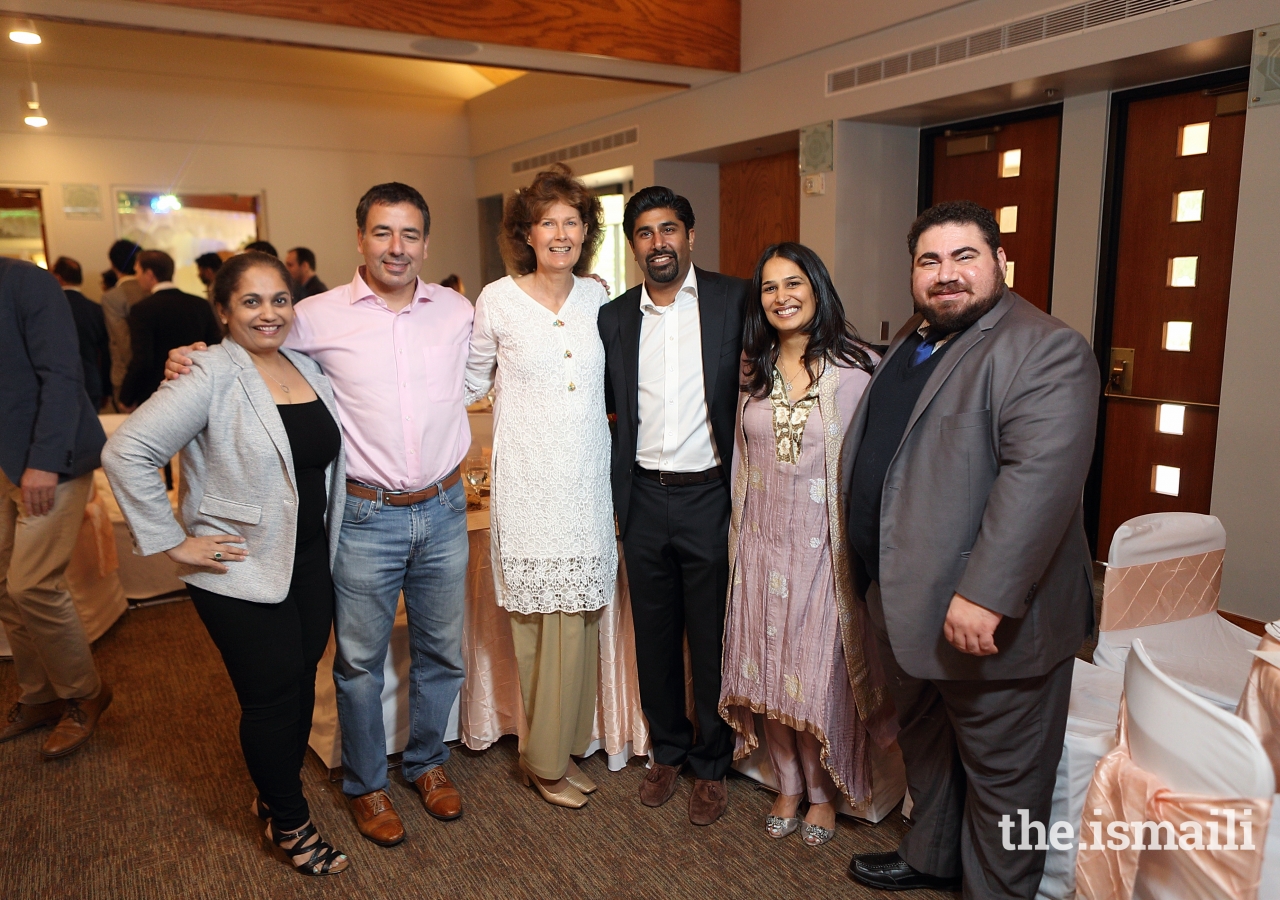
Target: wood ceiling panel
(702,35)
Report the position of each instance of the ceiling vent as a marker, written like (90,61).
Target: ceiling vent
(1058,23)
(577,151)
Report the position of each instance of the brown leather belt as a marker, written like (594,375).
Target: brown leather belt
(404,498)
(675,479)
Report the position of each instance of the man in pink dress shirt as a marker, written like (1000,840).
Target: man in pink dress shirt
(395,350)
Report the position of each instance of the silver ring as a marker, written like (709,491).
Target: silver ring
(217,554)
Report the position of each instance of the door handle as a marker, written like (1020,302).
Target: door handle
(1120,375)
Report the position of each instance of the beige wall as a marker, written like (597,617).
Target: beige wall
(1082,164)
(312,150)
(1246,474)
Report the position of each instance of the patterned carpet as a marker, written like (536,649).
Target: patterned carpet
(157,806)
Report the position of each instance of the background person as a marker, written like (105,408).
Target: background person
(301,263)
(550,465)
(258,573)
(795,636)
(207,266)
(263,247)
(117,300)
(49,448)
(454,282)
(673,437)
(168,318)
(968,454)
(91,328)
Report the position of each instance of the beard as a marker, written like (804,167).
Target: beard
(955,318)
(662,274)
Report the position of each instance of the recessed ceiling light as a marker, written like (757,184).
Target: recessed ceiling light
(24,32)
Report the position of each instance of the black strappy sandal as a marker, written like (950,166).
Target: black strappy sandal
(309,855)
(261,810)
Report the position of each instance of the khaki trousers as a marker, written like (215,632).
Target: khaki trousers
(559,656)
(50,651)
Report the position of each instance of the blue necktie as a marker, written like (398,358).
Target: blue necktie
(924,351)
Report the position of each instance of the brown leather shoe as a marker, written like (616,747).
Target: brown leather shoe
(79,719)
(377,818)
(659,784)
(707,802)
(26,717)
(439,796)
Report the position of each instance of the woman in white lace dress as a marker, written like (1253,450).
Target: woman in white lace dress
(555,559)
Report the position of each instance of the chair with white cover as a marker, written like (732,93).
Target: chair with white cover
(1090,735)
(1180,759)
(1163,578)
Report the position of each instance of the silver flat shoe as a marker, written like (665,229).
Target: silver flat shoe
(779,827)
(816,835)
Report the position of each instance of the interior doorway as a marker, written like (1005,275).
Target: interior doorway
(22,226)
(188,225)
(759,206)
(1009,164)
(1169,235)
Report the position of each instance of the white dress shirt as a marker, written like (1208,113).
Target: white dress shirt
(675,427)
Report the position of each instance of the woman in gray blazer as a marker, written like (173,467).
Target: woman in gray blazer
(260,503)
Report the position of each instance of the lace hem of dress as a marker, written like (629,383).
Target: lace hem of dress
(569,584)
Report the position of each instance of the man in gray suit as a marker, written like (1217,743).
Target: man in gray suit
(963,473)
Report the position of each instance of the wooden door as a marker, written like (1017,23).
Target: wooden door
(759,206)
(1179,180)
(1011,168)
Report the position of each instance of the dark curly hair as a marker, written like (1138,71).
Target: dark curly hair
(227,281)
(955,212)
(831,336)
(550,186)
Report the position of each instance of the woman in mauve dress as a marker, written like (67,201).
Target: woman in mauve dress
(795,646)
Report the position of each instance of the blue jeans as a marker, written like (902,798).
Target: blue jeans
(422,550)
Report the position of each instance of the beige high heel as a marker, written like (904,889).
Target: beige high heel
(570,797)
(579,779)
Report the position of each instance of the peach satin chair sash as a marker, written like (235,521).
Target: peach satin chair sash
(1260,703)
(1164,591)
(1127,794)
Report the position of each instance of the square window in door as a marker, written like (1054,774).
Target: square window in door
(1008,274)
(1164,480)
(1188,206)
(1170,418)
(1010,164)
(1177,337)
(1193,140)
(1007,216)
(1182,271)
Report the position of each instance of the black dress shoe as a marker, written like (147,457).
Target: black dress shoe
(890,872)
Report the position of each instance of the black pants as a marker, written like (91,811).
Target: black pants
(974,752)
(271,651)
(676,549)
